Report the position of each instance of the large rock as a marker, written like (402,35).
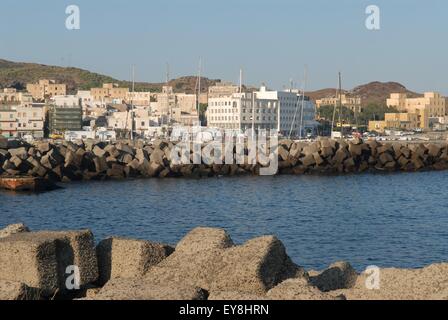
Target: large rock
(254,267)
(12,290)
(297,289)
(13,229)
(401,284)
(195,261)
(204,239)
(339,275)
(21,152)
(125,148)
(40,259)
(141,289)
(43,147)
(3,142)
(127,258)
(98,151)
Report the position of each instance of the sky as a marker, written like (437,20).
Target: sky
(271,40)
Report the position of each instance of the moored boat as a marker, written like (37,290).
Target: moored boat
(25,183)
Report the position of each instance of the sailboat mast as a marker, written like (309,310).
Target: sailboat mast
(132,102)
(199,86)
(340,101)
(303,102)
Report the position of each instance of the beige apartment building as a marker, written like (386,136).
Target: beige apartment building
(431,105)
(139,98)
(222,89)
(179,107)
(109,92)
(396,121)
(353,103)
(46,89)
(8,122)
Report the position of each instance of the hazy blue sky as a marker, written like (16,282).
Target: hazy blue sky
(271,40)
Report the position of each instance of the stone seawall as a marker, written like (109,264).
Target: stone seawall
(89,160)
(205,264)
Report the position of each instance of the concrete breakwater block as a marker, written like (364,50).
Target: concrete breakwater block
(13,229)
(93,160)
(207,258)
(40,259)
(144,289)
(254,267)
(12,290)
(429,283)
(339,275)
(127,258)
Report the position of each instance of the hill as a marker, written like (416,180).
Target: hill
(18,74)
(372,93)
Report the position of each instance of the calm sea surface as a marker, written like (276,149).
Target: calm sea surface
(398,220)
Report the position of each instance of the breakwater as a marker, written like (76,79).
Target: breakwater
(87,160)
(205,264)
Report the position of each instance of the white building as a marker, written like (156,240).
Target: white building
(66,101)
(273,110)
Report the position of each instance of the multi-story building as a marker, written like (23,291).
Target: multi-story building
(138,98)
(396,121)
(8,121)
(109,92)
(428,108)
(166,100)
(65,114)
(222,89)
(354,103)
(19,116)
(179,107)
(11,96)
(270,110)
(46,89)
(142,122)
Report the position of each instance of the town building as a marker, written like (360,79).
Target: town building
(354,103)
(222,89)
(65,114)
(180,108)
(19,116)
(279,111)
(12,96)
(431,108)
(46,89)
(138,98)
(109,92)
(396,121)
(8,121)
(30,120)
